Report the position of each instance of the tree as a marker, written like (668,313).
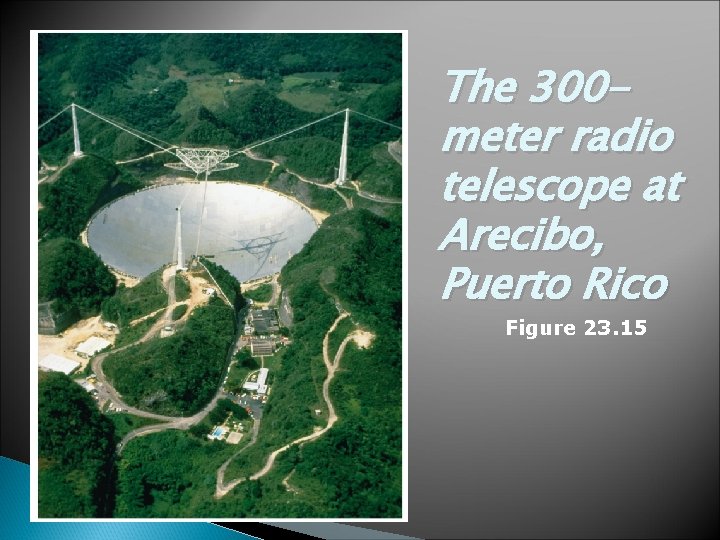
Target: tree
(76,446)
(74,276)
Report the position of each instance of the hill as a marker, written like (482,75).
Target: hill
(76,446)
(73,276)
(79,190)
(355,469)
(226,90)
(177,374)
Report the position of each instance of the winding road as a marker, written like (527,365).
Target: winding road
(360,337)
(222,488)
(363,339)
(332,186)
(167,422)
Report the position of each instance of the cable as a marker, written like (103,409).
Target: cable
(46,122)
(376,119)
(131,131)
(151,154)
(283,134)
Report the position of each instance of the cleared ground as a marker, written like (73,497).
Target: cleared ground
(65,343)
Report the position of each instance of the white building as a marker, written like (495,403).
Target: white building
(92,346)
(54,362)
(259,385)
(88,386)
(262,377)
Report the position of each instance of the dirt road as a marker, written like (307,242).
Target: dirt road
(197,297)
(363,339)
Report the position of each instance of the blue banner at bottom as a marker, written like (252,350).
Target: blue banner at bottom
(15,519)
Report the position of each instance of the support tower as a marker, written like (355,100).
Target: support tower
(342,170)
(76,133)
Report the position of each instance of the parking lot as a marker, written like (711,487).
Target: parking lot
(246,400)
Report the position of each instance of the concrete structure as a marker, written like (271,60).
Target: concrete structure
(218,433)
(234,437)
(242,225)
(50,322)
(342,169)
(180,262)
(264,321)
(167,331)
(46,319)
(88,386)
(262,347)
(76,133)
(54,362)
(91,346)
(258,385)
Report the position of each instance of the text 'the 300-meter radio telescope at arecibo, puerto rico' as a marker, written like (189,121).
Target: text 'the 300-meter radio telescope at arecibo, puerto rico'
(206,160)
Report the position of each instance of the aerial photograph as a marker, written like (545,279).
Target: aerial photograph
(219,275)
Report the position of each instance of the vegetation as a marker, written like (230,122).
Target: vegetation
(365,444)
(180,373)
(169,474)
(224,409)
(254,114)
(314,157)
(310,195)
(130,303)
(246,360)
(73,277)
(179,311)
(226,281)
(363,57)
(131,333)
(250,171)
(244,364)
(391,212)
(173,473)
(322,92)
(177,88)
(343,328)
(354,256)
(261,293)
(378,172)
(124,423)
(182,288)
(76,445)
(80,189)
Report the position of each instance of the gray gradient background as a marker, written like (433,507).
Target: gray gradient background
(560,437)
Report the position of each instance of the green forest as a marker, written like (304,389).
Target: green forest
(176,88)
(131,303)
(80,189)
(353,256)
(261,293)
(76,445)
(229,90)
(73,277)
(364,446)
(180,373)
(226,281)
